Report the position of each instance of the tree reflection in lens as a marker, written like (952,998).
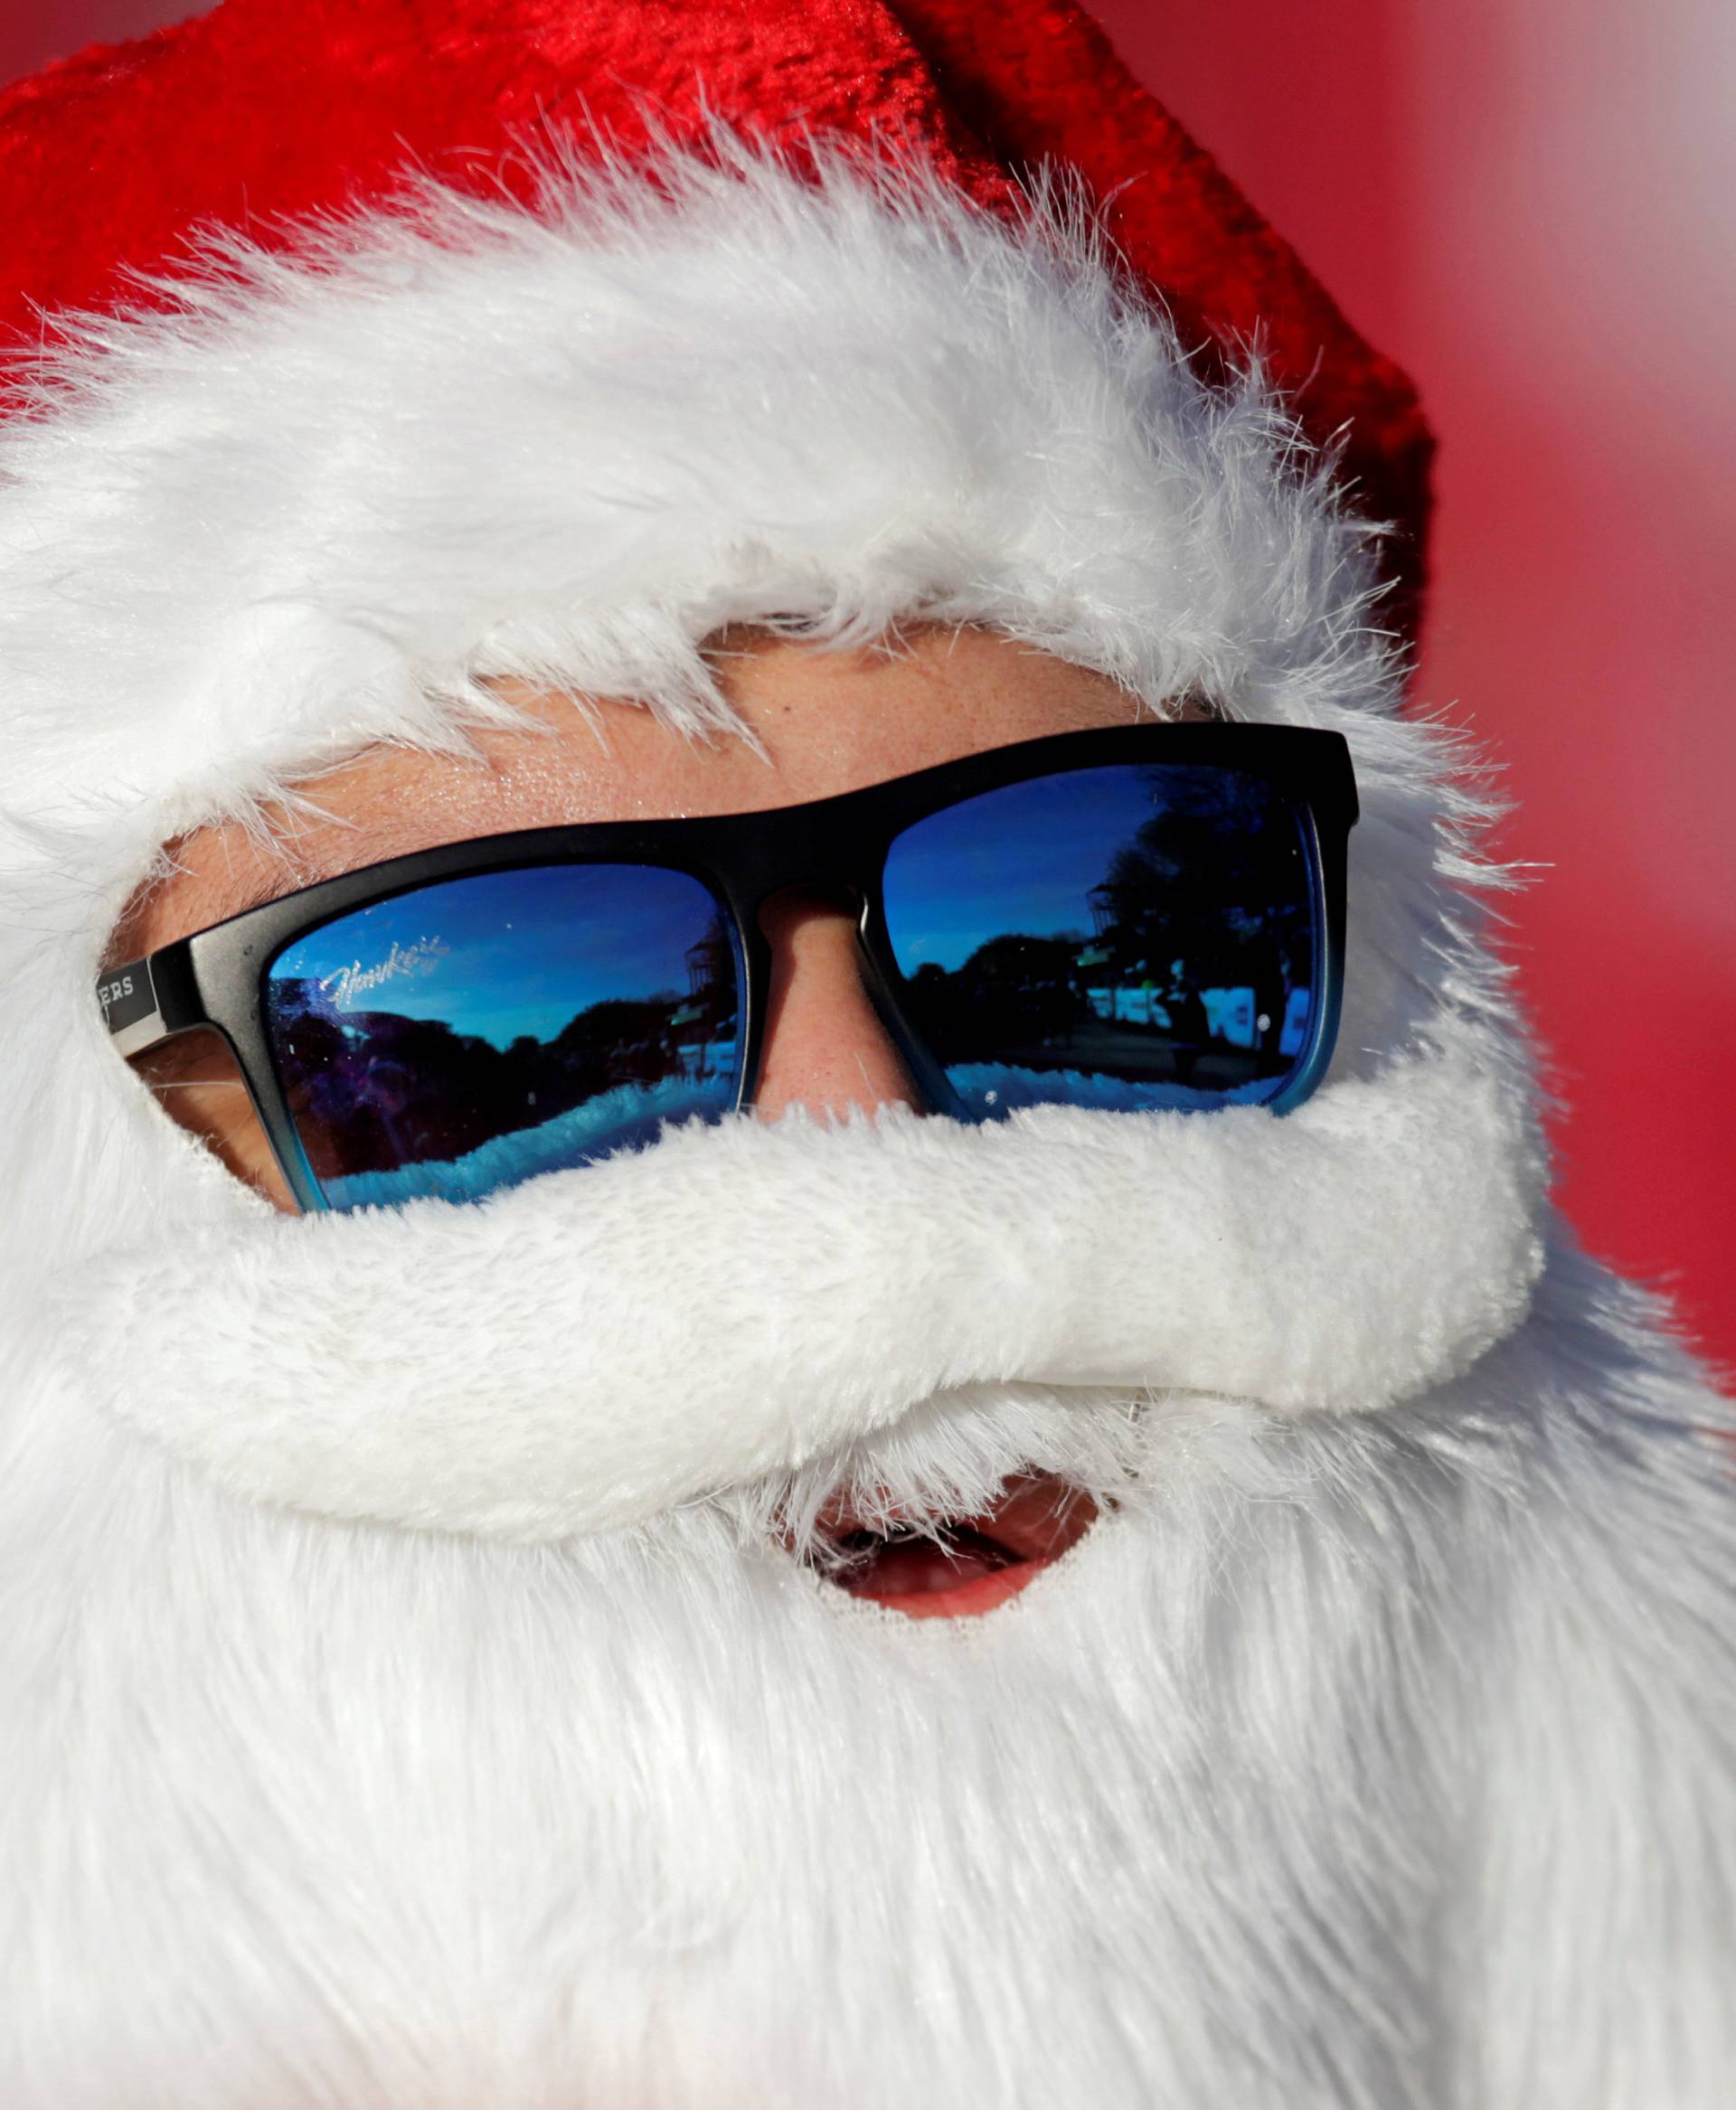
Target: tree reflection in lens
(1135,937)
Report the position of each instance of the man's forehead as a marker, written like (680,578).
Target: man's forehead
(817,721)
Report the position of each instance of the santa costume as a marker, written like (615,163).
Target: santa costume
(413,1691)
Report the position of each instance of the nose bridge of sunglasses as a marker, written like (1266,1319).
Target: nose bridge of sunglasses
(800,901)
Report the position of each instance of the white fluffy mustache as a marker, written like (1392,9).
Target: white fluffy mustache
(599,1346)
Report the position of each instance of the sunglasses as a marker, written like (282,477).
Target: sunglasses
(1145,917)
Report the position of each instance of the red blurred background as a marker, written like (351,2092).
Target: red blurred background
(1527,203)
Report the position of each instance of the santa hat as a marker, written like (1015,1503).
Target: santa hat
(252,118)
(256,120)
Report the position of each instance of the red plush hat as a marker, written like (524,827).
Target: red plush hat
(391,349)
(254,115)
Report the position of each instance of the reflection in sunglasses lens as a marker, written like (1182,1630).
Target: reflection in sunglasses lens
(469,1034)
(1134,936)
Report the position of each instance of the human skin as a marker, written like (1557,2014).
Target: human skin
(820,721)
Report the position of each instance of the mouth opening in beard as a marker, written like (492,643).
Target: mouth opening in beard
(953,1567)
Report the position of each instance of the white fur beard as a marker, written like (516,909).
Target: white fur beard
(598,1346)
(322,1813)
(1374,1718)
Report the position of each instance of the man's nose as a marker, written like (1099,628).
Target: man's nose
(825,1047)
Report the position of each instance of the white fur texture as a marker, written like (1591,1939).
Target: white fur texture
(1353,1763)
(601,1345)
(1366,1761)
(322,500)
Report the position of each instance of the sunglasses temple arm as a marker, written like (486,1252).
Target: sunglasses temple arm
(148,1000)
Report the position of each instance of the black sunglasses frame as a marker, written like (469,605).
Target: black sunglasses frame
(215,978)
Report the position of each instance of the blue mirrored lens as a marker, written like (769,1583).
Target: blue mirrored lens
(472,1033)
(1132,937)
